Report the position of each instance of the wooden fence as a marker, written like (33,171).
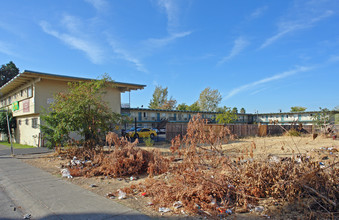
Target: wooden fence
(240,130)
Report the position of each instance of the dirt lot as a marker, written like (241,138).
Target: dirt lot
(322,149)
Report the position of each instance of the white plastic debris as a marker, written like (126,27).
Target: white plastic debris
(259,209)
(177,204)
(164,209)
(121,194)
(274,159)
(27,216)
(133,178)
(65,173)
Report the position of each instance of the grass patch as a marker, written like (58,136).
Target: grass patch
(15,145)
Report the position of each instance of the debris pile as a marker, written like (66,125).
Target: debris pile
(207,182)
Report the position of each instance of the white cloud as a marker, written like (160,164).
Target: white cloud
(171,12)
(267,80)
(94,53)
(259,11)
(239,45)
(5,49)
(125,55)
(334,59)
(99,5)
(160,42)
(292,25)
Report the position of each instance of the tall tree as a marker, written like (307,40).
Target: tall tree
(4,125)
(209,99)
(242,111)
(183,107)
(235,110)
(160,99)
(80,110)
(226,116)
(8,72)
(298,109)
(194,107)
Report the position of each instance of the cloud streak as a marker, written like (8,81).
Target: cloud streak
(99,5)
(6,50)
(266,80)
(258,12)
(125,55)
(287,27)
(93,52)
(239,45)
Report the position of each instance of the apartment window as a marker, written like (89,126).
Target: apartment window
(21,93)
(29,91)
(27,121)
(145,114)
(9,100)
(19,122)
(34,122)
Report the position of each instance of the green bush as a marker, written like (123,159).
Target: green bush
(149,142)
(293,132)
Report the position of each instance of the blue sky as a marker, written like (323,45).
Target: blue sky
(260,55)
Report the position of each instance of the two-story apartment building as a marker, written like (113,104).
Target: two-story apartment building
(153,118)
(30,92)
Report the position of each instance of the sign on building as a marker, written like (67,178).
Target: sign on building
(25,106)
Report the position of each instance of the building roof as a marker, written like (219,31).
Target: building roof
(166,110)
(28,76)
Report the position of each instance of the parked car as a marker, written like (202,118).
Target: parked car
(156,130)
(142,133)
(162,131)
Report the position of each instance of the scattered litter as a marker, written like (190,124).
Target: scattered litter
(93,185)
(274,159)
(259,209)
(177,204)
(150,203)
(267,216)
(112,197)
(143,194)
(65,173)
(325,158)
(213,202)
(75,161)
(228,211)
(121,194)
(133,178)
(164,209)
(27,216)
(119,179)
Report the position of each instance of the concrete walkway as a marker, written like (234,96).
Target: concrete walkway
(47,197)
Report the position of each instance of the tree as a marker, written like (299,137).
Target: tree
(160,99)
(242,111)
(235,110)
(226,116)
(194,107)
(3,123)
(8,72)
(209,99)
(80,110)
(298,109)
(183,107)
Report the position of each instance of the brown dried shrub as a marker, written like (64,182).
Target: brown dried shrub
(206,181)
(126,159)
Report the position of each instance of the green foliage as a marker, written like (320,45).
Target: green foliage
(293,132)
(82,111)
(194,107)
(8,72)
(209,99)
(298,109)
(183,107)
(160,99)
(235,110)
(3,122)
(242,111)
(226,116)
(322,118)
(148,142)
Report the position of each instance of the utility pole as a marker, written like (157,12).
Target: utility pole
(9,134)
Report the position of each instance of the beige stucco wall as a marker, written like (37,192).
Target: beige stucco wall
(45,90)
(25,133)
